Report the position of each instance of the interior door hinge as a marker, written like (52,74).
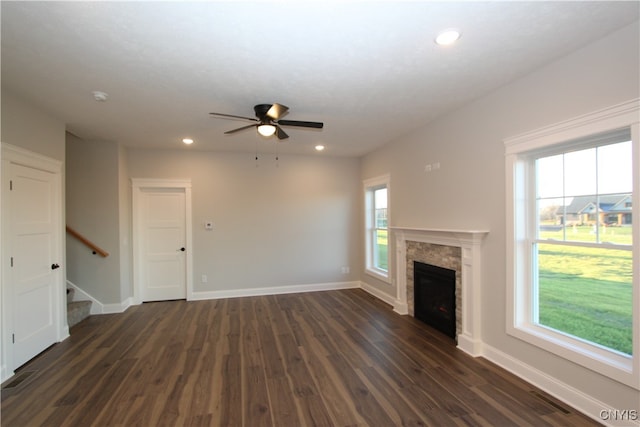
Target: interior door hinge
(10,185)
(13,338)
(11,261)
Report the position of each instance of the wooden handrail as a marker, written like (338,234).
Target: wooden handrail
(95,248)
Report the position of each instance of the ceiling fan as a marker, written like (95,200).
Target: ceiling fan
(268,120)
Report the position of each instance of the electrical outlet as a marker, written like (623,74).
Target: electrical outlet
(204,278)
(345,270)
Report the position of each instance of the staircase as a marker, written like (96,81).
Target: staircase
(77,311)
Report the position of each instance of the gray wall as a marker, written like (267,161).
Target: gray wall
(468,192)
(124,204)
(26,126)
(292,223)
(93,209)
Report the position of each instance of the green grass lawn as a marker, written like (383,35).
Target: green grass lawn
(383,250)
(587,292)
(585,233)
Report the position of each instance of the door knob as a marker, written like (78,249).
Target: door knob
(54,266)
(182,249)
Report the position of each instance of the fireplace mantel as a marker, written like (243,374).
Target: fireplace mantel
(470,241)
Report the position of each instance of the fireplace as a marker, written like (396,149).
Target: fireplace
(435,297)
(458,250)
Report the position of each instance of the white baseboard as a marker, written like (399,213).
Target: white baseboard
(277,290)
(5,374)
(117,307)
(389,299)
(472,347)
(98,308)
(585,403)
(64,333)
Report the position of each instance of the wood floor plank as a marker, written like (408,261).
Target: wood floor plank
(338,332)
(86,410)
(271,356)
(335,397)
(339,358)
(367,406)
(404,412)
(295,367)
(285,410)
(256,398)
(509,406)
(231,396)
(204,383)
(257,410)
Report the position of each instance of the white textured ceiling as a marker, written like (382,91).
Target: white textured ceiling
(370,71)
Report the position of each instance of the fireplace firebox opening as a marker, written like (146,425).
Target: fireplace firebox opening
(435,297)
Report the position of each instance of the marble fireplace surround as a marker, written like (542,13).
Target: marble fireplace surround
(468,303)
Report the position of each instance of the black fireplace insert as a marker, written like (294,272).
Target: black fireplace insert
(434,290)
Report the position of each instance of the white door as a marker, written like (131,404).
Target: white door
(35,276)
(163,243)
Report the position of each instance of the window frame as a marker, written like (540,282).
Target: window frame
(521,220)
(370,186)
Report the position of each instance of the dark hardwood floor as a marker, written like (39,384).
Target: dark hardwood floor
(338,358)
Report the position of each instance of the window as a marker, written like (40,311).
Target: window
(572,241)
(377,227)
(581,253)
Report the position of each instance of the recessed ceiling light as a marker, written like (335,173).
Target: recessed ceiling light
(187,141)
(447,37)
(319,147)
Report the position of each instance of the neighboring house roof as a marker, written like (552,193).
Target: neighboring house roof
(623,206)
(618,203)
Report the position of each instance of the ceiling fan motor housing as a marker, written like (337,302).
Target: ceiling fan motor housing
(261,110)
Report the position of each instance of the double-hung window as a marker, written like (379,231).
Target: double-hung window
(572,241)
(377,227)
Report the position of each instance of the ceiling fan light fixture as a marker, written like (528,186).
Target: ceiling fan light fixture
(266,130)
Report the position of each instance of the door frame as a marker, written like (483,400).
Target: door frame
(139,185)
(11,154)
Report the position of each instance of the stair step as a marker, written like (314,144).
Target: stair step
(77,311)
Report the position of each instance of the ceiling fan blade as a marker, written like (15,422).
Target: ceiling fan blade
(239,129)
(253,119)
(276,111)
(317,125)
(280,133)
